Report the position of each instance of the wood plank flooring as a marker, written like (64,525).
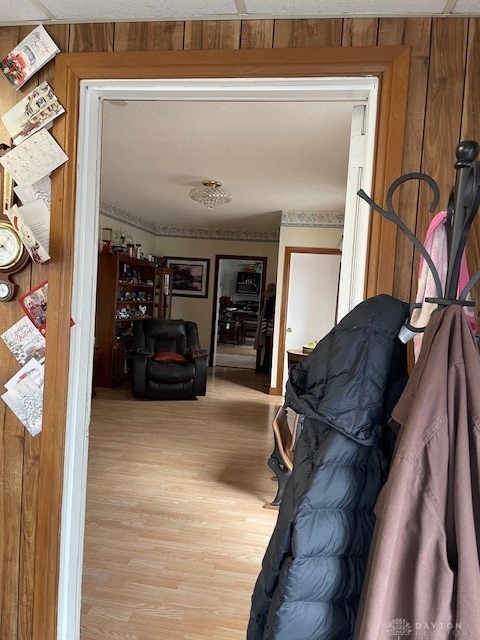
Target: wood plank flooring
(237,356)
(175,527)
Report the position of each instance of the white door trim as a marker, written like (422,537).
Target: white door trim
(92,93)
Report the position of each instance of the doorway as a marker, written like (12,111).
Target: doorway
(360,91)
(239,293)
(309,302)
(389,63)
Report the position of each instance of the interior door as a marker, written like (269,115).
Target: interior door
(312,297)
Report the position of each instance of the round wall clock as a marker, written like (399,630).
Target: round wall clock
(13,258)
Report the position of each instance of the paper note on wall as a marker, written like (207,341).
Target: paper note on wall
(33,159)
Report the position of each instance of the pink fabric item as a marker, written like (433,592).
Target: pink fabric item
(436,245)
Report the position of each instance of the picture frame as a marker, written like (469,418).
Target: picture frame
(190,276)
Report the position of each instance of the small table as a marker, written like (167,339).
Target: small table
(294,356)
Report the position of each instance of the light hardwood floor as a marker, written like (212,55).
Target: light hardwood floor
(175,527)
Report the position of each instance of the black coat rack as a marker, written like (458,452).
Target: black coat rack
(461,211)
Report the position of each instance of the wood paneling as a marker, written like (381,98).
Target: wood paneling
(61,35)
(14,590)
(360,32)
(70,70)
(307,33)
(471,131)
(416,34)
(443,94)
(257,34)
(9,36)
(147,36)
(212,34)
(388,164)
(91,37)
(443,117)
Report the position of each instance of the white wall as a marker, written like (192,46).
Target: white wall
(318,237)
(147,240)
(200,309)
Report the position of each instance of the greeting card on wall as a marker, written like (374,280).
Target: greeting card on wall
(41,190)
(32,221)
(34,303)
(28,57)
(24,396)
(39,108)
(34,159)
(25,341)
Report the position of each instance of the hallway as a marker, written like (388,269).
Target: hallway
(175,528)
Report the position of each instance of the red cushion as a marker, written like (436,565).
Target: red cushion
(168,357)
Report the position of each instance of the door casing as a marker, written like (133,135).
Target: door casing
(389,64)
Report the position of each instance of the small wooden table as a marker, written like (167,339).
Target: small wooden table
(294,356)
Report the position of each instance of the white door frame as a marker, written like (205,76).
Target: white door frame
(92,94)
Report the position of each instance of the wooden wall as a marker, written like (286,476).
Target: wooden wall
(444,95)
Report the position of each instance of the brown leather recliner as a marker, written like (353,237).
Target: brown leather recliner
(168,379)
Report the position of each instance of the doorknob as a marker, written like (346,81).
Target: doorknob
(289,330)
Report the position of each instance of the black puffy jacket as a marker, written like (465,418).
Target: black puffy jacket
(313,570)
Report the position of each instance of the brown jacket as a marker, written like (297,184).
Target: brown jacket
(423,579)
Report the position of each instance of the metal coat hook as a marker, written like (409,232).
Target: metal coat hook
(390,214)
(462,208)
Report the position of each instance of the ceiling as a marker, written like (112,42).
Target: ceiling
(49,11)
(271,156)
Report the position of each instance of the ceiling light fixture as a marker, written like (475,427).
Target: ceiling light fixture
(210,194)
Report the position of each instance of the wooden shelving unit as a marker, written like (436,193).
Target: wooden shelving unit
(128,289)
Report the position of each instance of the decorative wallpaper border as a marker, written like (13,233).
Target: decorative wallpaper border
(200,233)
(313,219)
(289,219)
(203,233)
(120,215)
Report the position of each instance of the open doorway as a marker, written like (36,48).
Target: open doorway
(238,304)
(145,202)
(310,303)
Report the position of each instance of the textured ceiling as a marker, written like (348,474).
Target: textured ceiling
(118,10)
(269,156)
(129,10)
(467,6)
(346,7)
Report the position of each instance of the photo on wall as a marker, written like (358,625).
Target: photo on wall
(190,276)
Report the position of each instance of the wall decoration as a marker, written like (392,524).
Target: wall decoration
(41,190)
(334,219)
(13,258)
(34,304)
(30,55)
(25,341)
(190,276)
(6,182)
(33,159)
(36,110)
(198,233)
(32,223)
(24,396)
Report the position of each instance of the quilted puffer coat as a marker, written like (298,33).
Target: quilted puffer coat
(312,574)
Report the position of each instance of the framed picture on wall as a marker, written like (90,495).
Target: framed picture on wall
(190,276)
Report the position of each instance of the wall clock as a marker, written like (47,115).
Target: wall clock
(13,258)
